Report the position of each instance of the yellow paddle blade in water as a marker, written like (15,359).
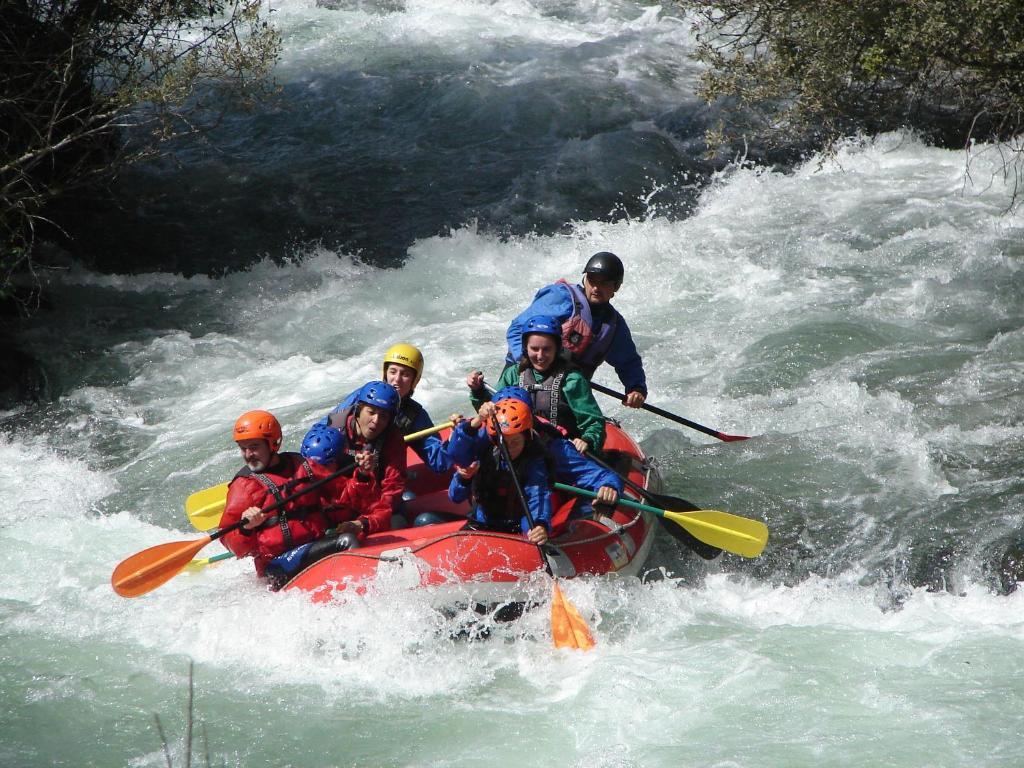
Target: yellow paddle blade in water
(739,535)
(568,629)
(205,507)
(724,530)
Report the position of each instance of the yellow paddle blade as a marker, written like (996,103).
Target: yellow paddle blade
(568,629)
(739,535)
(201,562)
(205,507)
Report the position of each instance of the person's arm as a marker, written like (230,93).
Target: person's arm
(345,497)
(378,516)
(431,449)
(624,358)
(478,392)
(573,468)
(434,453)
(580,398)
(241,497)
(460,485)
(538,495)
(464,443)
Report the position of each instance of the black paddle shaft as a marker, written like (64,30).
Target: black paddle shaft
(671,416)
(278,504)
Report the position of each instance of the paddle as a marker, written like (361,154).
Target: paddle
(146,570)
(205,507)
(202,562)
(568,629)
(739,535)
(671,416)
(702,549)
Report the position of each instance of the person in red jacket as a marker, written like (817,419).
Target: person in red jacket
(379,450)
(268,477)
(348,497)
(345,499)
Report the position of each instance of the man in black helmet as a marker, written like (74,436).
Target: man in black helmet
(592,329)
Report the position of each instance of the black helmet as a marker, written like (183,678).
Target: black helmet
(607,265)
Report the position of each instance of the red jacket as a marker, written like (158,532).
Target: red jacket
(304,519)
(348,498)
(376,505)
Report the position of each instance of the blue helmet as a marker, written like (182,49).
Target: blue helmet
(323,444)
(381,395)
(545,324)
(515,393)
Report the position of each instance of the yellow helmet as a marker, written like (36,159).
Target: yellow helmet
(407,355)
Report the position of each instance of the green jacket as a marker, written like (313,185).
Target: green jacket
(576,393)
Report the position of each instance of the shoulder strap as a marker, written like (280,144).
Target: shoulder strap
(407,415)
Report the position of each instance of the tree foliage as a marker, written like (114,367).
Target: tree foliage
(821,69)
(89,85)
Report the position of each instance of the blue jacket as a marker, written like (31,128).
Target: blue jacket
(554,300)
(431,449)
(573,468)
(467,446)
(569,465)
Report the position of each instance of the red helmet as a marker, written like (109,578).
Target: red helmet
(513,416)
(259,425)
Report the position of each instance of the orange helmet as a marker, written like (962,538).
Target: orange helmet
(259,425)
(513,416)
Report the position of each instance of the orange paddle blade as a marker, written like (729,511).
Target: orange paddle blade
(146,570)
(568,629)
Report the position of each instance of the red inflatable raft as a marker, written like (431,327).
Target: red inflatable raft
(491,563)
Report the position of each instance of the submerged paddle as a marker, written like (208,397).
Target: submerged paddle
(146,570)
(202,562)
(739,535)
(205,507)
(671,416)
(682,535)
(568,629)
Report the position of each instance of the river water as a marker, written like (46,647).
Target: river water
(429,165)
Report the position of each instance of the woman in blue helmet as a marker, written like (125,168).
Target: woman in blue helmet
(378,448)
(558,393)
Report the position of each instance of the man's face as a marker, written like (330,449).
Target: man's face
(598,290)
(400,377)
(541,350)
(372,421)
(256,454)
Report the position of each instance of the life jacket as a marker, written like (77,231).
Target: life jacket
(493,488)
(279,486)
(547,397)
(340,420)
(585,349)
(408,412)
